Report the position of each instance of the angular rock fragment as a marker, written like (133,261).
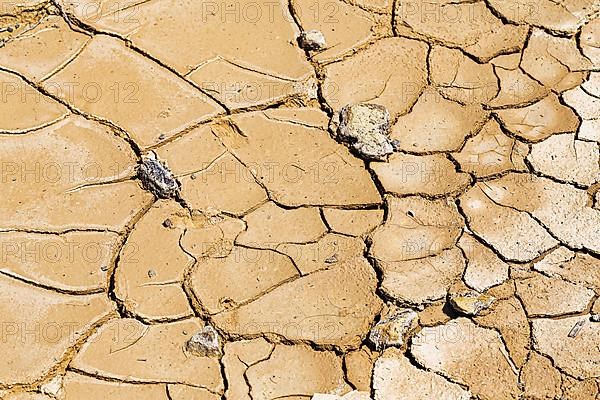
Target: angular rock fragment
(470,302)
(204,343)
(312,40)
(366,127)
(395,377)
(392,329)
(450,350)
(346,29)
(157,178)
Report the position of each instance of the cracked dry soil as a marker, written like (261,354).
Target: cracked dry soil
(300,199)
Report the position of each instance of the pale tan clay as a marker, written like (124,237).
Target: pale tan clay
(290,199)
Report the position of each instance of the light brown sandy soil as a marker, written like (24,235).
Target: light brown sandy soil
(280,262)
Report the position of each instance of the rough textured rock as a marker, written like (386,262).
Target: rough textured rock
(448,348)
(393,328)
(204,343)
(157,178)
(312,40)
(394,376)
(366,127)
(470,302)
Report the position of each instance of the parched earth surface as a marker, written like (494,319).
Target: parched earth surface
(188,210)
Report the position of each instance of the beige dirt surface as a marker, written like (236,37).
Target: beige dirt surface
(300,199)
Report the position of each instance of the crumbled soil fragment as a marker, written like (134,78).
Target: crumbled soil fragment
(157,179)
(366,127)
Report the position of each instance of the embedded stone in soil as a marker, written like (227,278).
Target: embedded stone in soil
(470,302)
(157,178)
(366,127)
(312,40)
(392,330)
(204,343)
